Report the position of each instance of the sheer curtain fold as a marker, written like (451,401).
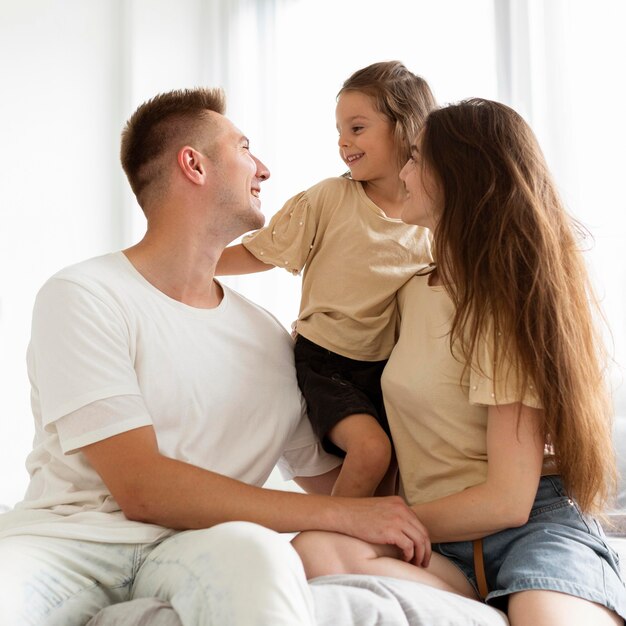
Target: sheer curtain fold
(560,65)
(555,61)
(281,62)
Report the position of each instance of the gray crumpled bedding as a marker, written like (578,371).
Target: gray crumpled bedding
(351,600)
(343,600)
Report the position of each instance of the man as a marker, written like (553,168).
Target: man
(162,401)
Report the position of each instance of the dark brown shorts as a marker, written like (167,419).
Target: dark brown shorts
(335,387)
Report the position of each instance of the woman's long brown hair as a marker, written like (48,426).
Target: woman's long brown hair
(509,256)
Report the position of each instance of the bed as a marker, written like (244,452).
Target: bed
(344,600)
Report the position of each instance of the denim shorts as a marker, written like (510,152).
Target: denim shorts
(335,386)
(558,549)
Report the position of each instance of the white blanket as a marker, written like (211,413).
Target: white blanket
(346,600)
(355,600)
(352,600)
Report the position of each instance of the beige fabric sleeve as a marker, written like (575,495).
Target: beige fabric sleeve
(287,240)
(498,382)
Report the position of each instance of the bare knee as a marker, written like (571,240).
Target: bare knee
(319,553)
(365,443)
(324,553)
(374,450)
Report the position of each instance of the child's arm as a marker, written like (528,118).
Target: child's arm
(237,260)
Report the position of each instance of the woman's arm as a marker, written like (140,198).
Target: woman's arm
(237,260)
(515,455)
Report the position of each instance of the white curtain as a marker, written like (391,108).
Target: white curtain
(562,63)
(283,62)
(73,71)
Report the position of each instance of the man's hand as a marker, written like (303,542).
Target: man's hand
(387,521)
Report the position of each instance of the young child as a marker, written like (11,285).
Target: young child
(346,237)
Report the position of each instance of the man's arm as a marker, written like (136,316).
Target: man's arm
(152,488)
(237,260)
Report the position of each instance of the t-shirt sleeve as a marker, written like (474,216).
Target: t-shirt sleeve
(498,381)
(288,238)
(303,454)
(79,350)
(100,420)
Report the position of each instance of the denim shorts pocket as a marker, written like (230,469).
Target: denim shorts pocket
(551,500)
(557,505)
(563,511)
(444,550)
(461,554)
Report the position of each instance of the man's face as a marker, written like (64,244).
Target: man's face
(236,177)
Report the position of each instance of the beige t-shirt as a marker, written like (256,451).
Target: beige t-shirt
(437,413)
(355,259)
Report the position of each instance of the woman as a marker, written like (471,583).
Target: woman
(495,391)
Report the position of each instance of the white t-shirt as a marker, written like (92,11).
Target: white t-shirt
(109,353)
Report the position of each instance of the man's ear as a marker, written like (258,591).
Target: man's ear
(191,164)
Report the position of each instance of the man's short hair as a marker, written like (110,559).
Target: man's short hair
(167,121)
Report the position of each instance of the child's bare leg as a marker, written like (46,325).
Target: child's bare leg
(368,453)
(324,553)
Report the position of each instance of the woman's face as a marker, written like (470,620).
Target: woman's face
(424,195)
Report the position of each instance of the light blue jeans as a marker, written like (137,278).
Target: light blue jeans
(235,574)
(558,549)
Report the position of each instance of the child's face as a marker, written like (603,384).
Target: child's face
(366,142)
(424,196)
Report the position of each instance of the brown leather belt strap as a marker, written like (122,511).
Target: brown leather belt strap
(479,569)
(549,469)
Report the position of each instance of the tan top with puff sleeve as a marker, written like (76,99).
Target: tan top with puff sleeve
(354,259)
(437,413)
